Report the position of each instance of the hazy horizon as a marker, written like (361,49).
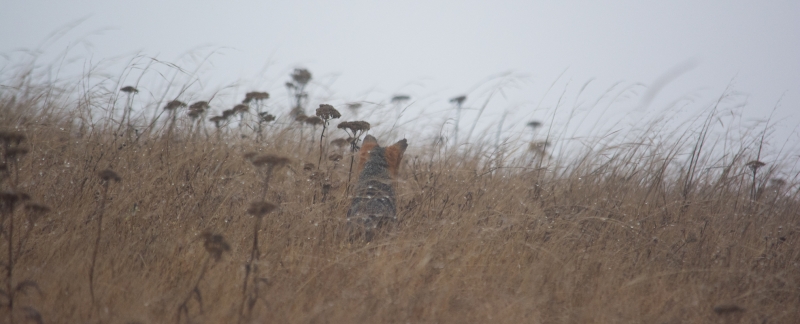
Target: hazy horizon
(681,52)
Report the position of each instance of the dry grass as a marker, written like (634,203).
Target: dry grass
(623,234)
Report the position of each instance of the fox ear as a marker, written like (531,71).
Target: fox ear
(394,155)
(363,154)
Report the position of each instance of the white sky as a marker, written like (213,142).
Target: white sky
(435,50)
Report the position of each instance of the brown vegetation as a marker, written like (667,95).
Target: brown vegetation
(629,233)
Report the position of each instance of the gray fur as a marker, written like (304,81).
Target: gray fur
(373,204)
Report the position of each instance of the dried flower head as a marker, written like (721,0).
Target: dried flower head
(260,208)
(340,142)
(11,197)
(270,160)
(215,245)
(313,120)
(727,309)
(255,96)
(200,105)
(354,126)
(327,112)
(289,85)
(777,182)
(458,100)
(227,113)
(11,137)
(300,118)
(266,117)
(175,104)
(755,165)
(36,208)
(296,112)
(14,152)
(194,113)
(400,98)
(129,89)
(216,119)
(534,124)
(301,76)
(241,108)
(335,157)
(538,145)
(109,175)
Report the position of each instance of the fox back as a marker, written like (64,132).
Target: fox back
(373,205)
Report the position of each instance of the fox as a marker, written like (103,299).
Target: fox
(374,203)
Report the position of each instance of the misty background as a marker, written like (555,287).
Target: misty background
(582,67)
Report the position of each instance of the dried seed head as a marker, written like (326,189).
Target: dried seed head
(301,76)
(255,96)
(266,117)
(260,208)
(755,165)
(194,113)
(313,120)
(270,160)
(458,100)
(15,152)
(228,113)
(727,309)
(400,98)
(241,108)
(777,182)
(297,112)
(11,137)
(289,85)
(216,119)
(215,245)
(109,175)
(175,104)
(300,118)
(9,198)
(36,208)
(12,197)
(534,124)
(354,126)
(327,112)
(335,157)
(129,89)
(200,105)
(340,142)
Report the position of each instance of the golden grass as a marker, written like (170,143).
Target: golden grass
(616,238)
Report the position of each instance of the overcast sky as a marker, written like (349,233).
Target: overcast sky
(435,50)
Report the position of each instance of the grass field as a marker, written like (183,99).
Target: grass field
(634,231)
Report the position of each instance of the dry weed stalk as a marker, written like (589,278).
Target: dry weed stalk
(355,129)
(215,245)
(326,113)
(106,176)
(258,210)
(12,151)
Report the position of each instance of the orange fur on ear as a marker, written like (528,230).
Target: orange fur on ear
(363,154)
(394,155)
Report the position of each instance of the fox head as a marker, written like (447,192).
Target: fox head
(392,154)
